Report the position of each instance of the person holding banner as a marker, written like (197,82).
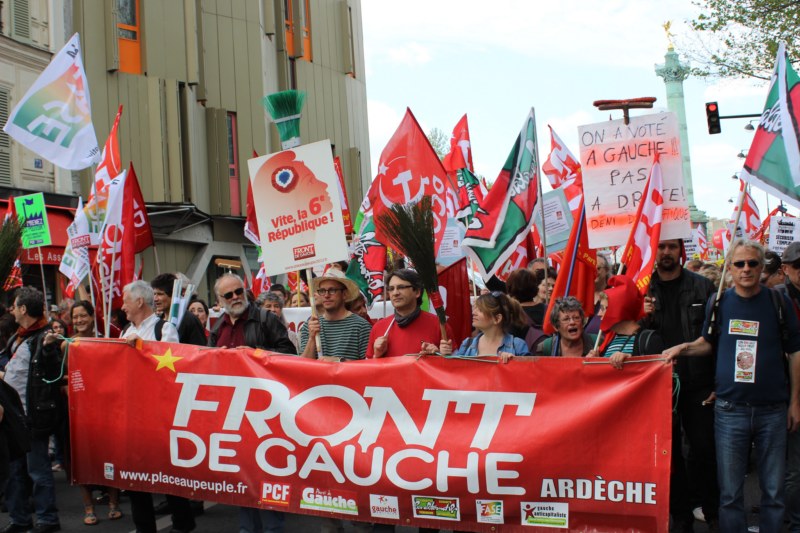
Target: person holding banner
(750,340)
(190,330)
(343,335)
(623,336)
(411,328)
(675,309)
(243,323)
(568,319)
(492,315)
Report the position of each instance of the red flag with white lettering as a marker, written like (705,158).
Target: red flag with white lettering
(639,254)
(143,233)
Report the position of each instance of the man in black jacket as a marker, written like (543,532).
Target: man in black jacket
(245,324)
(190,330)
(26,372)
(676,309)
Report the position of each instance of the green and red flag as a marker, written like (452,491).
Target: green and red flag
(773,161)
(505,216)
(368,258)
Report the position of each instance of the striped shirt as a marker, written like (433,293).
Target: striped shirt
(346,338)
(620,343)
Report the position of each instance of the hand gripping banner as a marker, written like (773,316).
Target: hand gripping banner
(451,444)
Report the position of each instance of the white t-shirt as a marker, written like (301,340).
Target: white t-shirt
(146,330)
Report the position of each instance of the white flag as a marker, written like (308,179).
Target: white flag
(75,261)
(54,117)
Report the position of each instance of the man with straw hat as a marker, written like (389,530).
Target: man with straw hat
(342,335)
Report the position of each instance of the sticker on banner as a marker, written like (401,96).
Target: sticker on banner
(332,501)
(489,511)
(108,471)
(745,371)
(384,506)
(275,494)
(545,514)
(436,508)
(743,327)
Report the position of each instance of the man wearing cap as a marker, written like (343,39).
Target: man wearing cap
(676,310)
(790,263)
(750,338)
(343,335)
(410,327)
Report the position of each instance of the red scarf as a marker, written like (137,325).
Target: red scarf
(33,328)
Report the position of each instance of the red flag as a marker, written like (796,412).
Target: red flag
(561,165)
(251,223)
(408,170)
(750,219)
(454,284)
(143,233)
(639,254)
(261,282)
(108,169)
(346,217)
(14,278)
(577,273)
(460,155)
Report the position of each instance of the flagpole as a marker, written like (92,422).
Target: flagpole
(155,256)
(41,269)
(91,295)
(727,255)
(541,207)
(312,303)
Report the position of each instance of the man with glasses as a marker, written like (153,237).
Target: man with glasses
(245,324)
(343,335)
(750,338)
(410,327)
(675,309)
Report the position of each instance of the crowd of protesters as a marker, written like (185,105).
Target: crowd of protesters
(720,410)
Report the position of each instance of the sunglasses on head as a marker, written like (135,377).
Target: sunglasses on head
(238,292)
(752,263)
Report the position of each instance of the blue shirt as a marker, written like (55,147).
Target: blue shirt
(510,344)
(743,320)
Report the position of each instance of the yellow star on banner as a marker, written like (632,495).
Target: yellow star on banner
(166,361)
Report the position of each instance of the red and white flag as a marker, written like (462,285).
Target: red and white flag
(251,222)
(639,254)
(108,169)
(563,170)
(261,282)
(701,241)
(460,155)
(750,219)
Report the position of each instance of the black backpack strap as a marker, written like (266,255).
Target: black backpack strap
(779,303)
(159,328)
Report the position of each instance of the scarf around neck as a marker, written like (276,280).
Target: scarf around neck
(405,321)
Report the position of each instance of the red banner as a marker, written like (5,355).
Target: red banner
(454,444)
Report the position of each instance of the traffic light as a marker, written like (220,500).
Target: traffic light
(712,116)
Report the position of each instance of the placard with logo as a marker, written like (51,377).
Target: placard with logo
(297,200)
(32,214)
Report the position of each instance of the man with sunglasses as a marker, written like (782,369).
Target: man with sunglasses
(243,323)
(410,327)
(343,335)
(675,309)
(750,341)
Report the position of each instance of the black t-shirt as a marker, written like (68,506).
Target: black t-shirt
(670,307)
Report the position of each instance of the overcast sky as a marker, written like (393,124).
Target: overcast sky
(495,60)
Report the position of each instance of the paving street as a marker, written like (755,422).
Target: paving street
(224,518)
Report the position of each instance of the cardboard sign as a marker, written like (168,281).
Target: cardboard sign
(33,218)
(783,231)
(296,194)
(616,160)
(557,220)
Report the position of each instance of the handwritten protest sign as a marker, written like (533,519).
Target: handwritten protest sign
(783,231)
(296,194)
(616,160)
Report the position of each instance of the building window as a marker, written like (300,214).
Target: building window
(5,141)
(292,26)
(352,71)
(129,36)
(233,165)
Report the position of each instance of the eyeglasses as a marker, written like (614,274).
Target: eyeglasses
(752,263)
(238,292)
(392,288)
(323,292)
